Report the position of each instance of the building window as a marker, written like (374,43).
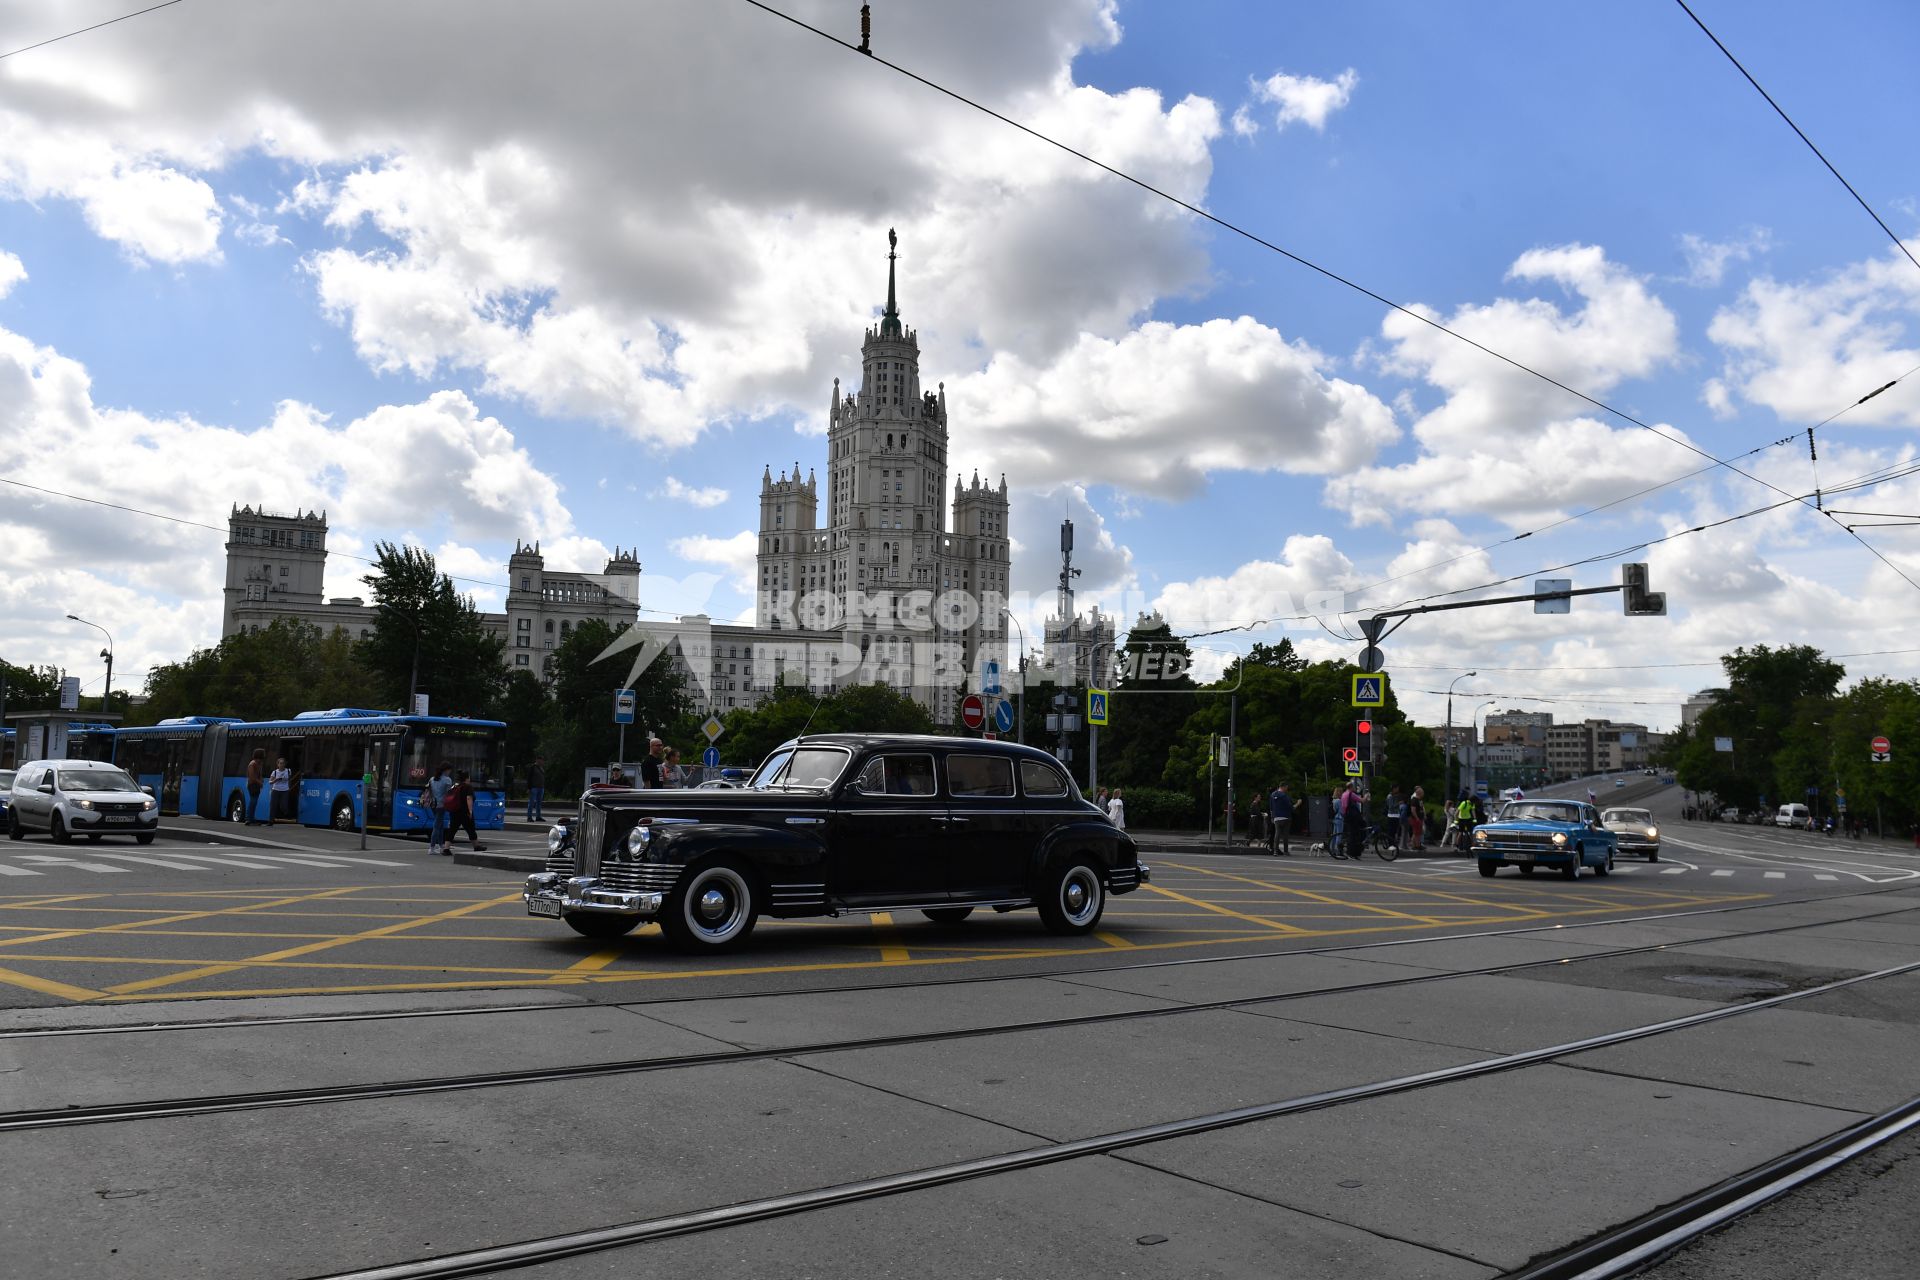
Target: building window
(549,626)
(526,624)
(520,660)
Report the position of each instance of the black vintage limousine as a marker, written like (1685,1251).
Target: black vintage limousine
(835,824)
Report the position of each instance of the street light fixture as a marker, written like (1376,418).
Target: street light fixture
(1473,723)
(1452,751)
(106,695)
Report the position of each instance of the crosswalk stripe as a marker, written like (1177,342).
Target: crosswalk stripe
(1826,877)
(149,860)
(1673,871)
(1625,871)
(73,862)
(1775,875)
(246,862)
(1720,873)
(7,869)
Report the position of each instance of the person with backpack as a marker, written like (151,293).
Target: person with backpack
(433,798)
(1280,807)
(1463,822)
(460,813)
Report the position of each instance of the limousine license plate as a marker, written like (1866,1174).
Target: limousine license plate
(544,907)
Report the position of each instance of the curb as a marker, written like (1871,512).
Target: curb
(500,861)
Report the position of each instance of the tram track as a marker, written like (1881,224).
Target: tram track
(260,1100)
(393,1015)
(1709,1208)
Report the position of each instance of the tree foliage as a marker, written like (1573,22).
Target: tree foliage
(286,667)
(577,729)
(422,618)
(1776,712)
(864,708)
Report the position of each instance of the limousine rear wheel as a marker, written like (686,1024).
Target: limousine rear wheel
(712,908)
(1076,900)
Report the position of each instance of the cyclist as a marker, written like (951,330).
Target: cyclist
(1463,822)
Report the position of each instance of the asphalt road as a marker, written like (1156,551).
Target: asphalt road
(199,973)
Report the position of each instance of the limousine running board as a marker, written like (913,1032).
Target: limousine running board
(938,904)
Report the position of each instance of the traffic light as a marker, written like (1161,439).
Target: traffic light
(1363,740)
(1635,599)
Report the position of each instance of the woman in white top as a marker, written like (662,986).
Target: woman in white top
(281,781)
(1117,810)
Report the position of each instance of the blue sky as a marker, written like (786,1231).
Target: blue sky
(581,307)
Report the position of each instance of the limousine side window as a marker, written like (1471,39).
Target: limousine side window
(1037,778)
(897,775)
(980,775)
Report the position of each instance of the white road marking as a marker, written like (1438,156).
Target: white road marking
(7,869)
(1676,871)
(73,862)
(150,860)
(1720,873)
(1826,877)
(1774,875)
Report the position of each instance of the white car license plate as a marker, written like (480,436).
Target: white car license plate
(543,907)
(119,817)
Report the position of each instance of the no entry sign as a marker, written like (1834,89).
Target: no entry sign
(973,712)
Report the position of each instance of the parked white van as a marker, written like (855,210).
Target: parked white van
(1791,815)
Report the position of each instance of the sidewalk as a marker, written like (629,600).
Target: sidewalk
(1201,842)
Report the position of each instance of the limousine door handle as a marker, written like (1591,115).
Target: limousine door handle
(805,822)
(955,821)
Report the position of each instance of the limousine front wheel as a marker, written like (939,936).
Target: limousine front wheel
(1076,900)
(712,908)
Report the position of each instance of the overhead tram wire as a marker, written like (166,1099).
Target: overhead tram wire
(41,44)
(1254,238)
(1801,133)
(865,52)
(214,528)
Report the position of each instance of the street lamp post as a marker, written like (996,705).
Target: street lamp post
(1473,724)
(1447,784)
(1020,690)
(106,695)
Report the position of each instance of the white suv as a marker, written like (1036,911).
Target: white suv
(90,798)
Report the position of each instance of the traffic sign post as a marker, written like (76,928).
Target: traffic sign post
(713,728)
(1881,750)
(623,701)
(1097,707)
(973,711)
(710,757)
(1003,716)
(1370,689)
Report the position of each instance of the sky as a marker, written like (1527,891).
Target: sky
(462,274)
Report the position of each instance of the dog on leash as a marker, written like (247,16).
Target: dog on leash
(1318,848)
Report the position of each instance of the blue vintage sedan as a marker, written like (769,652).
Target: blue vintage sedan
(1563,834)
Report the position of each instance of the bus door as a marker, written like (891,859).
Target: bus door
(213,759)
(175,759)
(379,800)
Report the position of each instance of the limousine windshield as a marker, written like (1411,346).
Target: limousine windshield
(801,769)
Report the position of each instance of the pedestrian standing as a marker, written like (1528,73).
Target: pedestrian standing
(256,779)
(461,802)
(1396,816)
(1417,817)
(1256,815)
(536,789)
(672,774)
(1117,810)
(653,769)
(434,798)
(1337,843)
(1356,823)
(1280,811)
(1100,799)
(280,781)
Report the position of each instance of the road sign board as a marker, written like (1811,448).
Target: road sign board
(1882,745)
(1546,586)
(1097,707)
(1353,769)
(713,728)
(990,735)
(623,706)
(710,757)
(1881,757)
(1370,689)
(1372,658)
(973,712)
(991,682)
(1003,716)
(1723,744)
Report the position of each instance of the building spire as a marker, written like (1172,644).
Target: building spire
(890,321)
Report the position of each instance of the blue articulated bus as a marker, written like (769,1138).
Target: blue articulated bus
(169,758)
(328,752)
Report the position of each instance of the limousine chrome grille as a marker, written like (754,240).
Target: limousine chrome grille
(639,877)
(589,834)
(795,897)
(561,863)
(1124,879)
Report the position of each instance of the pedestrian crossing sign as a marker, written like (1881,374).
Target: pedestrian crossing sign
(1353,769)
(1097,706)
(1370,689)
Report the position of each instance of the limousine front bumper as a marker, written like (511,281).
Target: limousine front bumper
(551,894)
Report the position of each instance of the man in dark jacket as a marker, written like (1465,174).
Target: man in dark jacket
(1280,811)
(536,788)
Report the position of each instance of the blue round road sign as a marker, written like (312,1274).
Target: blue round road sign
(711,757)
(1003,716)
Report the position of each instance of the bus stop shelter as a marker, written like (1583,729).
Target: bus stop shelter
(55,735)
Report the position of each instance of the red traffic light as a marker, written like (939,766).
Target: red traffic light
(1365,726)
(1350,754)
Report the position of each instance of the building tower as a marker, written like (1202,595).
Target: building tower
(276,565)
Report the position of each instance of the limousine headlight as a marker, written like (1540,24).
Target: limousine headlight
(558,838)
(638,838)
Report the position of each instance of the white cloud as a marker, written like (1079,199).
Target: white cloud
(735,554)
(1307,577)
(675,489)
(129,195)
(1304,100)
(12,272)
(1156,410)
(1244,125)
(1707,260)
(1804,349)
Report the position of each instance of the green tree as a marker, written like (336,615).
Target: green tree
(1886,794)
(30,688)
(423,623)
(1769,692)
(1154,696)
(578,728)
(284,668)
(524,707)
(752,732)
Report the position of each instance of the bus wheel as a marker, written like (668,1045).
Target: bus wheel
(236,808)
(343,814)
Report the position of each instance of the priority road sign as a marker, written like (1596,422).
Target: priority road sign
(710,757)
(713,728)
(1003,716)
(973,712)
(1097,707)
(1370,689)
